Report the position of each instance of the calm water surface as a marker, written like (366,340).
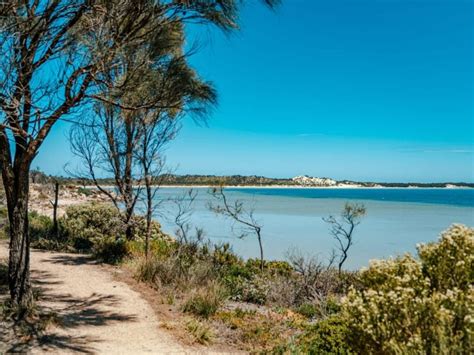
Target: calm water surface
(397,219)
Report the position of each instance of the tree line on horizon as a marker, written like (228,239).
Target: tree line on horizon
(229,180)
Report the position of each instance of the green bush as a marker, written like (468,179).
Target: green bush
(309,310)
(110,250)
(270,267)
(253,290)
(98,229)
(205,301)
(84,191)
(42,235)
(417,306)
(84,224)
(328,336)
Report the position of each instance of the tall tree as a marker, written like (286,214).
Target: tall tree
(127,144)
(56,55)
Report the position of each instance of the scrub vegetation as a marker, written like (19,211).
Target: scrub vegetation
(411,304)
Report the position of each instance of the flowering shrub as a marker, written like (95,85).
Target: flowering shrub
(409,306)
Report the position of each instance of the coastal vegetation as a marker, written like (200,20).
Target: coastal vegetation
(91,45)
(119,73)
(416,304)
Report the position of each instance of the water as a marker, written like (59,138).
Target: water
(397,219)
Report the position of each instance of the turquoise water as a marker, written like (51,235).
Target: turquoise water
(397,219)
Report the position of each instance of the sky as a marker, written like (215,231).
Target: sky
(367,90)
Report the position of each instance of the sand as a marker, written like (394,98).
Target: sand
(96,314)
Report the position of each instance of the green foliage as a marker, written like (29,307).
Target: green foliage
(328,336)
(417,306)
(40,226)
(87,223)
(309,310)
(205,301)
(41,233)
(271,267)
(110,250)
(200,332)
(96,229)
(158,246)
(84,191)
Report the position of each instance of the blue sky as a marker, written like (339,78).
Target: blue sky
(363,89)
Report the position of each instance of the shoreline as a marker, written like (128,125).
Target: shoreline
(296,187)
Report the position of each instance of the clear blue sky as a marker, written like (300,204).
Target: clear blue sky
(350,89)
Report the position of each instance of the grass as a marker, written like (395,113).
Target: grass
(205,301)
(200,332)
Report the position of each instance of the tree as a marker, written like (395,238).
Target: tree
(244,218)
(342,228)
(56,57)
(128,144)
(182,217)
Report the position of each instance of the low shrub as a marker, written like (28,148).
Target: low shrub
(269,267)
(157,271)
(98,229)
(328,336)
(42,234)
(39,226)
(200,332)
(424,305)
(205,301)
(90,222)
(259,331)
(309,310)
(110,250)
(84,191)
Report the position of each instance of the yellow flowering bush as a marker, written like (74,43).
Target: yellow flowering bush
(412,306)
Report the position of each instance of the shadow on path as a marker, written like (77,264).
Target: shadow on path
(59,314)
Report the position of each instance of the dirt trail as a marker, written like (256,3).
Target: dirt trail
(96,313)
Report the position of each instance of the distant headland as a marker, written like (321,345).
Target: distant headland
(302,181)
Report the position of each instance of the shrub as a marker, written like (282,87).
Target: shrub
(200,332)
(84,191)
(224,258)
(41,233)
(161,247)
(89,222)
(155,271)
(328,336)
(309,310)
(270,267)
(205,301)
(39,226)
(417,306)
(110,250)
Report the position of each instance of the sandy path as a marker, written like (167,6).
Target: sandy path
(96,313)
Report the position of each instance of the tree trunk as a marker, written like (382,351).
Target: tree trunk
(342,260)
(129,232)
(55,210)
(149,214)
(19,262)
(260,244)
